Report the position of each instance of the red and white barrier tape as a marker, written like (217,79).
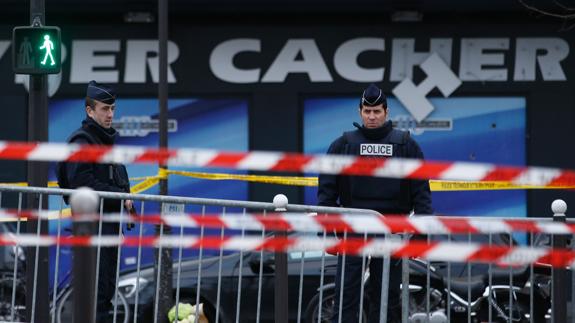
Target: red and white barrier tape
(274,161)
(435,251)
(351,223)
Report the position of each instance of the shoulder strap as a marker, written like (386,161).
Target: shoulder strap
(352,136)
(81,133)
(398,136)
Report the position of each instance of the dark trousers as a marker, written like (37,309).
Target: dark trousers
(106,283)
(107,276)
(353,277)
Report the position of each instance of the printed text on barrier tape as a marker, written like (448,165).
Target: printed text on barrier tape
(273,161)
(145,183)
(351,223)
(436,251)
(435,185)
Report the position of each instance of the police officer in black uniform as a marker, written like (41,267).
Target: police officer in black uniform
(376,138)
(97,129)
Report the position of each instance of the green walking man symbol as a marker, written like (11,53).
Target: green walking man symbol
(48,46)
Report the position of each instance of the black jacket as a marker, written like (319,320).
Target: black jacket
(384,195)
(100,177)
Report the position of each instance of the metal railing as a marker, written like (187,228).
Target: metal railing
(134,284)
(239,286)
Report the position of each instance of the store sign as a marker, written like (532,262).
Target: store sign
(501,59)
(480,59)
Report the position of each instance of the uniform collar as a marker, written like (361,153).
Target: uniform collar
(107,136)
(375,133)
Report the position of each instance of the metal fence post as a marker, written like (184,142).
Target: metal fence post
(37,304)
(281,280)
(164,267)
(84,203)
(559,300)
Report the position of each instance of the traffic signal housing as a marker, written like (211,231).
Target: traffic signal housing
(36,50)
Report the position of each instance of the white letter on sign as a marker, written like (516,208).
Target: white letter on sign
(222,60)
(287,62)
(345,60)
(474,57)
(404,57)
(85,59)
(549,52)
(138,58)
(414,97)
(3,47)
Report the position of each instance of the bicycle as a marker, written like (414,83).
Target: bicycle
(64,308)
(12,281)
(13,301)
(12,304)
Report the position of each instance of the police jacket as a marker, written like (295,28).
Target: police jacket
(385,195)
(100,177)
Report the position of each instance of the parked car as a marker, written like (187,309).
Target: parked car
(249,290)
(230,266)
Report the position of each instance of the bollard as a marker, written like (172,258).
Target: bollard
(84,203)
(559,300)
(281,273)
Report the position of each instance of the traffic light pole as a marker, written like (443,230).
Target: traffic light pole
(37,305)
(163,261)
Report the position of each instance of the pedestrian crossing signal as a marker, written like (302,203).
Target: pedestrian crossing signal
(36,50)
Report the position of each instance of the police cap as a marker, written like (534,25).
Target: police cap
(373,96)
(101,92)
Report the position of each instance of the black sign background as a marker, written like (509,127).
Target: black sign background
(550,104)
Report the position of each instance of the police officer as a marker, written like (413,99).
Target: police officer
(97,129)
(376,138)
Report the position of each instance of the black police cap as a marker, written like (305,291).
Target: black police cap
(373,96)
(101,92)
